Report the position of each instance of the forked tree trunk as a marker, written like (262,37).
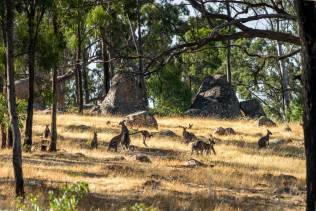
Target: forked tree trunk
(284,77)
(307,22)
(31,65)
(14,122)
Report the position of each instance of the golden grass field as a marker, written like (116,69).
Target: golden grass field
(238,177)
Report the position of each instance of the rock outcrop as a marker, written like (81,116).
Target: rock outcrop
(141,119)
(167,133)
(125,96)
(215,98)
(252,108)
(265,121)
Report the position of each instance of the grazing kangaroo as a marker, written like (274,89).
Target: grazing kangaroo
(200,146)
(46,132)
(187,136)
(123,138)
(145,135)
(264,141)
(94,142)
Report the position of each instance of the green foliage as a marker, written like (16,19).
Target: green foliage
(4,116)
(170,94)
(67,200)
(47,96)
(295,111)
(140,207)
(98,17)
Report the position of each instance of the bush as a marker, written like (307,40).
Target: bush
(66,200)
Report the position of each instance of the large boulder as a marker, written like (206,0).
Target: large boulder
(215,98)
(124,97)
(265,121)
(252,108)
(141,119)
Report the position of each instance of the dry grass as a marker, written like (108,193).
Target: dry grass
(239,177)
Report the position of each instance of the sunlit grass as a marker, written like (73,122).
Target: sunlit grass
(238,164)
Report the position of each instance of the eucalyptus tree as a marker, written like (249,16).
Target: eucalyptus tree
(14,123)
(73,16)
(34,12)
(307,22)
(99,19)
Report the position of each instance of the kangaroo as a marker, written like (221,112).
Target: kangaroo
(46,132)
(264,141)
(187,136)
(145,134)
(209,147)
(94,142)
(123,139)
(200,146)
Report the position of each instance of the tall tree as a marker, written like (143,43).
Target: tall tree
(140,52)
(4,87)
(14,122)
(307,22)
(79,68)
(34,11)
(53,140)
(228,53)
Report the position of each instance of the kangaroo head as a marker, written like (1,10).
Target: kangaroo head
(122,122)
(190,126)
(184,128)
(211,142)
(269,132)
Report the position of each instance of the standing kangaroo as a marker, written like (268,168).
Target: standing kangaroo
(46,132)
(187,136)
(94,142)
(123,138)
(264,141)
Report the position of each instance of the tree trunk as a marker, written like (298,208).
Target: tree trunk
(10,137)
(3,137)
(4,89)
(141,77)
(285,77)
(78,70)
(14,122)
(85,77)
(53,141)
(307,22)
(228,53)
(31,65)
(106,67)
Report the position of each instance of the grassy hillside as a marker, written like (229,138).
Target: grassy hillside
(240,176)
